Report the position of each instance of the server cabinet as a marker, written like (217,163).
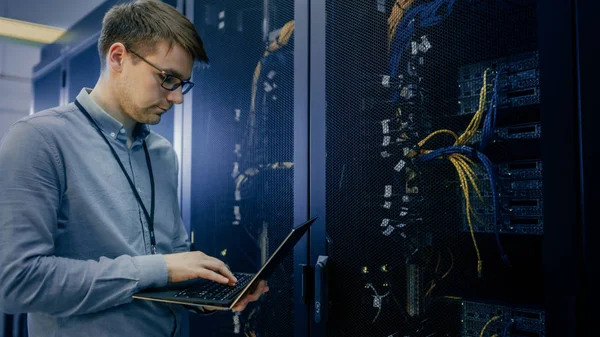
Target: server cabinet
(248,183)
(47,89)
(434,168)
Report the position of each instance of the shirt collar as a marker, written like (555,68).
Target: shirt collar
(107,123)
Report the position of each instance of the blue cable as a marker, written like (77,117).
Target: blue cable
(508,325)
(489,166)
(426,14)
(489,124)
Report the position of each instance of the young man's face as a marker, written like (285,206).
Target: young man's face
(141,95)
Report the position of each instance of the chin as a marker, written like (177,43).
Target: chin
(154,121)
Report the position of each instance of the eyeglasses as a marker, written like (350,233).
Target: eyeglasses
(169,82)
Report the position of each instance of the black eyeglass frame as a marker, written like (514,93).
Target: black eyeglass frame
(185,85)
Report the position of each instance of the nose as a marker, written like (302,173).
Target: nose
(175,96)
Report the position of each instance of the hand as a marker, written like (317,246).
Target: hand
(191,265)
(252,296)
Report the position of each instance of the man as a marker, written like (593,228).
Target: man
(88,204)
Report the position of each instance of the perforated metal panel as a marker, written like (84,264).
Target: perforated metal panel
(406,255)
(243,154)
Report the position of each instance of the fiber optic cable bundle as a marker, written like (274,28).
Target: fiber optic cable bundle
(461,157)
(404,21)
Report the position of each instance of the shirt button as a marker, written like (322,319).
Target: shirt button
(122,131)
(112,134)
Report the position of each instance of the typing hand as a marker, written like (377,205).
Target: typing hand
(252,296)
(191,265)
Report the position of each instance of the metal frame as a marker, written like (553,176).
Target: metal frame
(183,138)
(588,53)
(562,198)
(317,137)
(301,158)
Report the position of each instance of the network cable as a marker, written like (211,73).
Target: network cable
(395,17)
(436,272)
(489,124)
(463,165)
(282,40)
(424,15)
(488,323)
(508,325)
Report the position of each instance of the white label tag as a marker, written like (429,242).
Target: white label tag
(236,170)
(388,191)
(386,126)
(267,87)
(376,302)
(425,45)
(236,212)
(388,231)
(386,140)
(385,81)
(238,150)
(400,165)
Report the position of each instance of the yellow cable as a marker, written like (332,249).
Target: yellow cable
(452,133)
(395,17)
(282,40)
(464,161)
(476,120)
(465,188)
(451,264)
(464,165)
(488,323)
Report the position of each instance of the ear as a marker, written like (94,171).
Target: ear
(115,57)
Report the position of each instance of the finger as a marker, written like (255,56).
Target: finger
(223,270)
(213,276)
(240,307)
(219,267)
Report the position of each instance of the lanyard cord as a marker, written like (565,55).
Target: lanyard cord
(149,217)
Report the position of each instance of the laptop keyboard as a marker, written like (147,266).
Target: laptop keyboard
(216,291)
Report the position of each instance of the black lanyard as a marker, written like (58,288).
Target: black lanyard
(149,217)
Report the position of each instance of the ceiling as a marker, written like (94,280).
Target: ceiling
(57,13)
(17,58)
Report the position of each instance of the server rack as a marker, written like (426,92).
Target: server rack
(248,175)
(407,261)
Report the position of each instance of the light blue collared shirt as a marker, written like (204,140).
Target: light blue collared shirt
(74,242)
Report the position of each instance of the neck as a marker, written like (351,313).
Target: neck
(106,99)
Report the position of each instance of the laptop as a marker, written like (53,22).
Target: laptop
(216,296)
